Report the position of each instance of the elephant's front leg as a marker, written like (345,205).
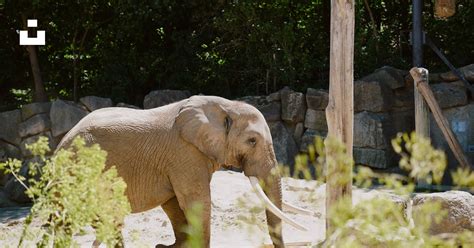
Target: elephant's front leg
(178,221)
(192,190)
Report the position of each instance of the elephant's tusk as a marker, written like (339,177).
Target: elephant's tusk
(270,206)
(292,208)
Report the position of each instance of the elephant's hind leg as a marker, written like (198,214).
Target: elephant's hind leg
(178,221)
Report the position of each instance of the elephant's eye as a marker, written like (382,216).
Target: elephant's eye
(252,141)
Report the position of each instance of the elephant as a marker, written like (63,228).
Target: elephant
(167,155)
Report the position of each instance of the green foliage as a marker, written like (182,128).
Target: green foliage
(194,228)
(464,177)
(124,49)
(71,191)
(419,158)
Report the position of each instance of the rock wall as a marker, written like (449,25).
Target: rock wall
(383,104)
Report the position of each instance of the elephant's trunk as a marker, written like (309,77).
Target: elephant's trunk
(273,191)
(271,195)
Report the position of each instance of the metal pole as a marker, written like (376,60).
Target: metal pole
(422,124)
(417,34)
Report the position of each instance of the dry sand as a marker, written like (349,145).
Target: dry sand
(229,228)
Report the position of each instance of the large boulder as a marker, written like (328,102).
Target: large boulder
(404,99)
(5,202)
(459,207)
(317,99)
(274,97)
(94,102)
(256,101)
(392,77)
(8,150)
(461,121)
(9,122)
(271,111)
(64,116)
(293,106)
(402,121)
(34,125)
(372,96)
(160,98)
(125,105)
(449,95)
(298,133)
(369,130)
(467,71)
(316,119)
(283,143)
(31,109)
(374,158)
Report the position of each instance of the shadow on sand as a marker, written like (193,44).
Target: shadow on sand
(13,213)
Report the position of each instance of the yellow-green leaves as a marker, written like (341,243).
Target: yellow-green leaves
(194,229)
(73,191)
(419,158)
(463,177)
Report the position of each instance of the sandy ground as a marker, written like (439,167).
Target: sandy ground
(232,199)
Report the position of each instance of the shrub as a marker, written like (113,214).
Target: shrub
(71,191)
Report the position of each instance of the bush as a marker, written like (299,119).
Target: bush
(71,192)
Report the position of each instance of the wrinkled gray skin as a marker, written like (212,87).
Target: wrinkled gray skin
(167,155)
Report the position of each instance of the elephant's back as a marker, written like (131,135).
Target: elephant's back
(110,127)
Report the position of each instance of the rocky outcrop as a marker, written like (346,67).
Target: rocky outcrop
(449,95)
(372,96)
(283,143)
(461,120)
(467,71)
(392,77)
(64,116)
(34,125)
(94,102)
(317,99)
(375,158)
(368,130)
(316,119)
(458,207)
(125,105)
(293,106)
(9,122)
(32,109)
(159,98)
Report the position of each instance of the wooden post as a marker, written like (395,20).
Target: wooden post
(340,109)
(420,75)
(422,121)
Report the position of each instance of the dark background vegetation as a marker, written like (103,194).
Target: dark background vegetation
(124,49)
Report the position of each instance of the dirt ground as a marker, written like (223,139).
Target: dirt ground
(232,199)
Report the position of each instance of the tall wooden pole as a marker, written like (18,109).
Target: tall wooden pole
(422,121)
(340,109)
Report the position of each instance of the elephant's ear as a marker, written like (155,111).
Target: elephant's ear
(203,123)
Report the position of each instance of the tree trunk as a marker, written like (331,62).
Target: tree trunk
(340,109)
(39,92)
